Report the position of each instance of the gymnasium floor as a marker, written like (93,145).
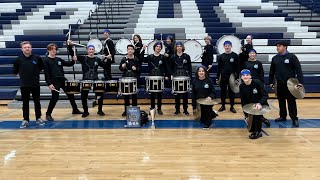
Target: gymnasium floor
(95,148)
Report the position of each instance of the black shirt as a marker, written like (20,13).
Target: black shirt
(284,67)
(244,55)
(112,50)
(181,65)
(253,93)
(28,69)
(53,69)
(89,65)
(202,89)
(256,69)
(127,71)
(137,51)
(157,65)
(207,56)
(228,64)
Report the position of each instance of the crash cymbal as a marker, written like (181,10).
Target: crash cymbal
(296,92)
(251,109)
(203,101)
(234,83)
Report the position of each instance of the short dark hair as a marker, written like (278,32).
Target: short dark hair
(283,43)
(51,45)
(24,42)
(130,45)
(156,44)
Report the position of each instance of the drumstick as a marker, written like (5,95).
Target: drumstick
(106,44)
(56,90)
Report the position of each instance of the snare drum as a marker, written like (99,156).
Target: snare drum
(180,84)
(86,85)
(150,47)
(236,44)
(154,84)
(99,86)
(72,87)
(111,86)
(194,49)
(121,45)
(128,86)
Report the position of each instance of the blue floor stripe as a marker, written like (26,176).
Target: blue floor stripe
(161,124)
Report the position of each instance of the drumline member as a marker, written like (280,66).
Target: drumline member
(207,56)
(181,65)
(244,51)
(256,69)
(252,91)
(228,63)
(138,48)
(203,87)
(54,75)
(285,65)
(157,67)
(169,52)
(109,51)
(28,66)
(130,67)
(89,64)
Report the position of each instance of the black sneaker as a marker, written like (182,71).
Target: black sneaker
(85,114)
(295,123)
(206,127)
(222,108)
(233,110)
(177,112)
(24,124)
(124,114)
(280,119)
(160,112)
(101,113)
(255,135)
(186,112)
(77,111)
(49,118)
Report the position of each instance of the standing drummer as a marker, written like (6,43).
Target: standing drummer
(207,56)
(89,65)
(181,66)
(203,87)
(54,75)
(109,51)
(285,65)
(130,67)
(244,51)
(228,63)
(157,67)
(252,91)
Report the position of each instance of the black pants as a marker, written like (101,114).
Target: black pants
(256,124)
(207,114)
(284,94)
(107,71)
(153,100)
(25,95)
(55,97)
(224,88)
(84,99)
(127,100)
(185,101)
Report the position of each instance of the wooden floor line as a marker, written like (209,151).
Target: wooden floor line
(309,142)
(8,113)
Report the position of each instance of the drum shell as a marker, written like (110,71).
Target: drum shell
(72,87)
(86,85)
(128,86)
(154,84)
(180,84)
(99,86)
(112,86)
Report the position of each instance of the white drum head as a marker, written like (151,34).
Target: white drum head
(121,45)
(194,49)
(236,44)
(150,47)
(96,43)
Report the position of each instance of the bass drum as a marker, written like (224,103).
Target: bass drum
(96,43)
(121,45)
(194,49)
(236,44)
(150,47)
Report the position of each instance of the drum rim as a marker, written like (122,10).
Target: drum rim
(181,78)
(154,77)
(217,43)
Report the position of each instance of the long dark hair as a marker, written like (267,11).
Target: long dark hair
(138,36)
(206,74)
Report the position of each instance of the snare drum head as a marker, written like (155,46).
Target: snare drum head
(236,44)
(194,49)
(98,81)
(150,47)
(96,43)
(112,81)
(154,77)
(127,79)
(87,81)
(121,45)
(180,78)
